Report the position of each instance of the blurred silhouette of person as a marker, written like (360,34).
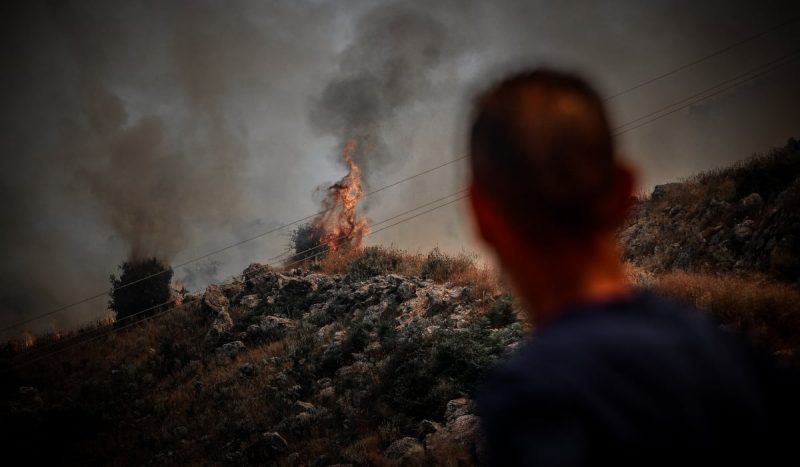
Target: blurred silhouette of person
(610,375)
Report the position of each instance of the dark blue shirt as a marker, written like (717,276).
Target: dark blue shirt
(635,381)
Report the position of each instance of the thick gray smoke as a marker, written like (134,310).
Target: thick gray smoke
(174,128)
(388,66)
(125,136)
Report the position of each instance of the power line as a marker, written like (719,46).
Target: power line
(168,310)
(704,95)
(270,262)
(704,58)
(219,250)
(718,88)
(398,182)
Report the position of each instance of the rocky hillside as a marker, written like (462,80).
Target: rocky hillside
(286,368)
(744,218)
(371,358)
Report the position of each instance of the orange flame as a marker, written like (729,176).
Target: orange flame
(339,224)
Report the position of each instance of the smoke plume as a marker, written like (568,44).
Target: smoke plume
(388,66)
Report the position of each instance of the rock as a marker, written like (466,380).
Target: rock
(247,369)
(661,191)
(214,301)
(250,301)
(406,290)
(751,203)
(427,427)
(215,305)
(744,231)
(231,349)
(275,442)
(456,408)
(277,325)
(259,278)
(407,450)
(301,406)
(356,369)
(232,290)
(464,429)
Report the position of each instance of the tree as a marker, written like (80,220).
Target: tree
(142,289)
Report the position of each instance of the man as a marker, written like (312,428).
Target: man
(611,375)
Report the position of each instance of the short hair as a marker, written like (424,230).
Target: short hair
(542,149)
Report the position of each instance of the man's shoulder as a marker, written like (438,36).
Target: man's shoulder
(564,355)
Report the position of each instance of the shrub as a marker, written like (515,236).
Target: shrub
(306,242)
(375,261)
(443,268)
(426,370)
(142,289)
(502,312)
(769,313)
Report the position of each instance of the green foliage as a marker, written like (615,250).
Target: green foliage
(306,242)
(142,289)
(426,370)
(502,312)
(375,261)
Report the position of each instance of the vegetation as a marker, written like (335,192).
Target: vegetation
(142,289)
(337,358)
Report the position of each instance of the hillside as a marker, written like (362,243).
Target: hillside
(740,219)
(370,358)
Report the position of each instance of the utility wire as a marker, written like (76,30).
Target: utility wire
(398,182)
(719,88)
(704,95)
(300,254)
(703,59)
(177,307)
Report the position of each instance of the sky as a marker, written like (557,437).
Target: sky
(174,129)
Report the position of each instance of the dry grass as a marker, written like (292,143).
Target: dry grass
(460,269)
(768,312)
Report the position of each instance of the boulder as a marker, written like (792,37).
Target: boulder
(275,442)
(214,301)
(407,450)
(661,191)
(456,408)
(744,231)
(751,203)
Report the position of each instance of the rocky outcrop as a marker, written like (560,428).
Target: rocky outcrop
(742,219)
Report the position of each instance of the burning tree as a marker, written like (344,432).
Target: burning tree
(149,290)
(338,226)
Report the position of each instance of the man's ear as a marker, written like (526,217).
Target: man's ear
(623,189)
(481,213)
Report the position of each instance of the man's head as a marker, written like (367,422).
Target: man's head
(547,189)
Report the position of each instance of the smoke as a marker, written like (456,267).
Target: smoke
(130,129)
(389,65)
(126,135)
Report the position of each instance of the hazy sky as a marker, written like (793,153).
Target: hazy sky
(175,128)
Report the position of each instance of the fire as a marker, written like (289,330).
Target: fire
(339,225)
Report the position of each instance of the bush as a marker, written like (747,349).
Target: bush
(306,242)
(769,313)
(502,312)
(375,261)
(426,370)
(443,268)
(142,289)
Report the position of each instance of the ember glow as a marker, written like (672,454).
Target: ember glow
(339,225)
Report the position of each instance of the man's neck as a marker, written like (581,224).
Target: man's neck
(595,274)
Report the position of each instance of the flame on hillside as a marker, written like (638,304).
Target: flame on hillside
(338,226)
